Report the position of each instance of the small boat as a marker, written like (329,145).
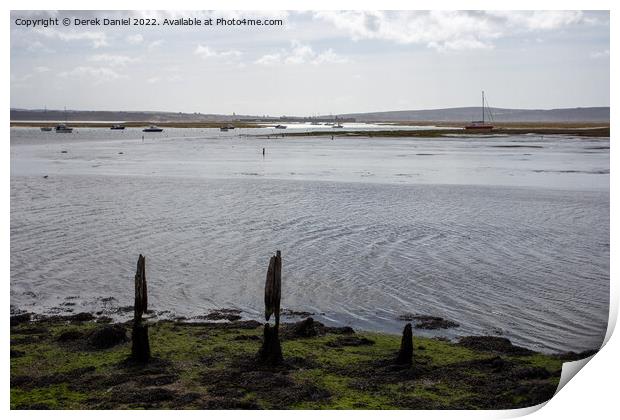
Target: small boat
(62,128)
(224,128)
(481,125)
(230,127)
(117,127)
(280,126)
(46,128)
(337,125)
(153,129)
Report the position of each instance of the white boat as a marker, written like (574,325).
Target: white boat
(153,129)
(62,128)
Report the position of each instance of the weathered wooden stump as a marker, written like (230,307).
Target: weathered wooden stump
(405,354)
(140,348)
(271,352)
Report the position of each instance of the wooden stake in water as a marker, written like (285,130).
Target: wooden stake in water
(271,352)
(140,348)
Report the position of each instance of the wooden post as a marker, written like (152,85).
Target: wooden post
(140,349)
(405,354)
(271,352)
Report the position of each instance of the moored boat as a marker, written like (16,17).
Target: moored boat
(63,128)
(153,129)
(481,125)
(117,127)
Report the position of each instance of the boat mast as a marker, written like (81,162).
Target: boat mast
(483,107)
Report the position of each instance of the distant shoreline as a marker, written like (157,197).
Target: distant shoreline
(584,129)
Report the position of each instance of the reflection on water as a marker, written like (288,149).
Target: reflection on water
(511,240)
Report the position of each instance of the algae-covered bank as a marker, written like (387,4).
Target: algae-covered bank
(79,362)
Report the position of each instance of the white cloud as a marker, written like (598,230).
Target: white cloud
(42,69)
(135,39)
(155,44)
(328,56)
(204,51)
(96,74)
(112,60)
(38,47)
(300,53)
(600,54)
(446,30)
(98,39)
(20,79)
(269,59)
(538,20)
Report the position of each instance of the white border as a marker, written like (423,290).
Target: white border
(592,394)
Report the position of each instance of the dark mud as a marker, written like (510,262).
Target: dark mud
(428,322)
(498,345)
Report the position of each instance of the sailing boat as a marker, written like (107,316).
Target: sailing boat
(63,128)
(481,125)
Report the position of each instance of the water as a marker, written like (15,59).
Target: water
(506,235)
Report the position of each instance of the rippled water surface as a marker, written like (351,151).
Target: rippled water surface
(505,235)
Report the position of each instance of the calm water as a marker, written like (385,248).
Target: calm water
(506,235)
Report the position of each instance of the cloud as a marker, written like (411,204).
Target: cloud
(112,60)
(300,53)
(96,74)
(446,30)
(328,56)
(269,59)
(204,51)
(42,69)
(600,54)
(155,44)
(20,79)
(135,39)
(38,47)
(537,20)
(98,39)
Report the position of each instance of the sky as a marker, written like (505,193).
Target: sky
(314,63)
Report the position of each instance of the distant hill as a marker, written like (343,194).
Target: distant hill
(594,114)
(151,116)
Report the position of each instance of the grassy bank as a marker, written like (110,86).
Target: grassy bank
(542,131)
(64,363)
